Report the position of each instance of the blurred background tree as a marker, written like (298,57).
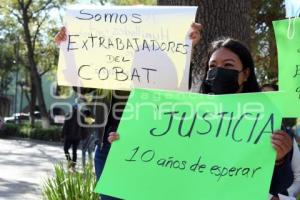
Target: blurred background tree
(263,44)
(248,21)
(31,19)
(226,18)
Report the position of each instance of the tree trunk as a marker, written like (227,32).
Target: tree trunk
(32,104)
(34,72)
(273,65)
(220,18)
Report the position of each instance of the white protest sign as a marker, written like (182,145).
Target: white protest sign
(292,8)
(122,47)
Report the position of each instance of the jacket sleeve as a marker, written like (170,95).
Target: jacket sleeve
(282,176)
(294,189)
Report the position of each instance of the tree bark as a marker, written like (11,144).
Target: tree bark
(220,18)
(32,104)
(273,65)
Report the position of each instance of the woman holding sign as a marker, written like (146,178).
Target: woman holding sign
(116,101)
(230,69)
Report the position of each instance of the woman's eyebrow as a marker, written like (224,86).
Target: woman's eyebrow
(229,59)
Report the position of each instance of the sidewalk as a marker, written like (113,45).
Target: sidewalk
(24,165)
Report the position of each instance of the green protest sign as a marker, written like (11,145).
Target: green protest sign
(192,146)
(287,34)
(286,102)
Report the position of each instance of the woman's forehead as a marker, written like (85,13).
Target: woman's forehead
(224,55)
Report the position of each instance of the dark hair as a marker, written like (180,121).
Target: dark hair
(273,86)
(77,112)
(87,113)
(244,55)
(72,115)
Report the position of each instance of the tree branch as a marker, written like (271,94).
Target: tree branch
(21,4)
(46,4)
(28,4)
(12,11)
(39,24)
(17,16)
(44,72)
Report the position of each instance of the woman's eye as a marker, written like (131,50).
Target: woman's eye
(228,65)
(212,66)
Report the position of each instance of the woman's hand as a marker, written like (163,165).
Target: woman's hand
(274,198)
(61,35)
(113,136)
(282,143)
(195,33)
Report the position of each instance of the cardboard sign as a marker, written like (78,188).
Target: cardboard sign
(287,34)
(121,48)
(192,146)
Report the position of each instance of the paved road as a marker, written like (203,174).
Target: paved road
(24,164)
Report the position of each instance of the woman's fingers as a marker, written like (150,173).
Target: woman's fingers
(195,35)
(196,26)
(113,136)
(274,198)
(61,35)
(284,139)
(282,143)
(279,150)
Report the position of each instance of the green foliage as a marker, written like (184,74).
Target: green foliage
(263,44)
(134,2)
(40,24)
(26,131)
(67,185)
(9,130)
(7,67)
(51,134)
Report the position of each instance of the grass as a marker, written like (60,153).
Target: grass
(67,185)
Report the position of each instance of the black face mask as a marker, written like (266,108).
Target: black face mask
(221,81)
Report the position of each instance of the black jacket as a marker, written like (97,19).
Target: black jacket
(72,130)
(283,175)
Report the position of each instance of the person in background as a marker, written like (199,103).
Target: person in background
(88,138)
(72,132)
(85,97)
(287,124)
